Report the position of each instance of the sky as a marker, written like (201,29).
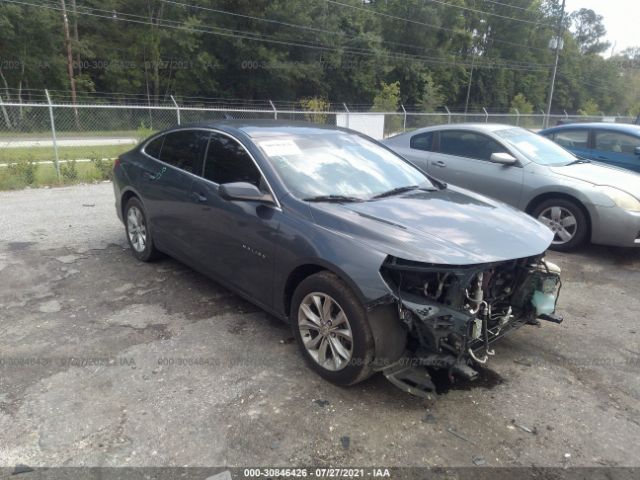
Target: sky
(621,19)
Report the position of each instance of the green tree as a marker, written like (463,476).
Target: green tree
(590,107)
(315,105)
(520,104)
(432,96)
(288,50)
(388,98)
(589,31)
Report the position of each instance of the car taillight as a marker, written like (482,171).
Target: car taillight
(116,163)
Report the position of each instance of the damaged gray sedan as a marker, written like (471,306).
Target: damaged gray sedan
(376,265)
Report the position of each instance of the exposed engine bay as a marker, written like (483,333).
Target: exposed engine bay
(454,313)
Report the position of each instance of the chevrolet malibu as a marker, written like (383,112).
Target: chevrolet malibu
(376,265)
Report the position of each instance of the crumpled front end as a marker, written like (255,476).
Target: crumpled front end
(454,313)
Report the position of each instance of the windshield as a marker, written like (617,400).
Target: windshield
(334,163)
(536,148)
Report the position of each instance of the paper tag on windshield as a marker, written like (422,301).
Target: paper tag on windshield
(280,148)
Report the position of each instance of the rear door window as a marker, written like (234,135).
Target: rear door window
(227,162)
(184,149)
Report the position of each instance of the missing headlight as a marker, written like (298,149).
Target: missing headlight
(477,303)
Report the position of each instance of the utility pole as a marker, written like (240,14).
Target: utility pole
(76,37)
(67,41)
(555,64)
(466,104)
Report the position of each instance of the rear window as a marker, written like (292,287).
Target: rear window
(422,141)
(154,146)
(616,142)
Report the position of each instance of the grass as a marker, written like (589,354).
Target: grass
(39,154)
(19,167)
(46,135)
(29,174)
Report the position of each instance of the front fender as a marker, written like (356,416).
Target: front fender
(360,270)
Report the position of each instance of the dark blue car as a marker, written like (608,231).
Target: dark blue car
(376,265)
(613,143)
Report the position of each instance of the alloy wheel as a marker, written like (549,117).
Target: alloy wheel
(136,229)
(325,331)
(561,221)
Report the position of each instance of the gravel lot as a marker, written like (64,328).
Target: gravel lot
(105,361)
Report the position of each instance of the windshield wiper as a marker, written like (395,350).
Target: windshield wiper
(438,183)
(579,160)
(333,198)
(397,190)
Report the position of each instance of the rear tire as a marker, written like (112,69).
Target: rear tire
(138,233)
(566,219)
(331,328)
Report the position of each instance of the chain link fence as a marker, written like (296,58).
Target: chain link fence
(58,132)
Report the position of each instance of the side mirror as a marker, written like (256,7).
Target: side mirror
(636,150)
(503,158)
(243,191)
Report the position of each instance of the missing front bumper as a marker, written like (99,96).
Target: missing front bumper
(452,315)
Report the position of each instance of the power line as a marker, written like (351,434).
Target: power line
(113,15)
(292,25)
(594,83)
(507,5)
(287,24)
(238,33)
(409,56)
(133,18)
(484,12)
(225,12)
(430,25)
(251,36)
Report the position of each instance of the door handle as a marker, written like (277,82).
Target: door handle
(198,197)
(439,163)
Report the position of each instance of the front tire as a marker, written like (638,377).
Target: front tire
(138,233)
(566,220)
(331,328)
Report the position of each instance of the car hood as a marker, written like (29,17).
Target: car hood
(451,226)
(599,174)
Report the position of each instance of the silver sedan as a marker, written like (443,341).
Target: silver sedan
(577,199)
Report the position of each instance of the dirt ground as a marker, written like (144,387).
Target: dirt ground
(105,361)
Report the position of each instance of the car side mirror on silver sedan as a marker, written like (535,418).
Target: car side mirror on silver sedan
(244,191)
(503,158)
(636,150)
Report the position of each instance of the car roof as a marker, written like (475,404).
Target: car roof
(260,127)
(476,127)
(616,127)
(480,127)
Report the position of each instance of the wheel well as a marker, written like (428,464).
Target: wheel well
(125,198)
(533,204)
(294,279)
